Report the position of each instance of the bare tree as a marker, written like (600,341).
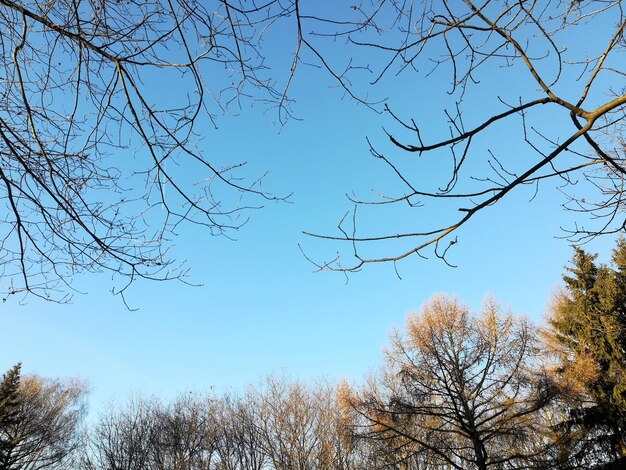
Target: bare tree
(44,429)
(148,434)
(287,425)
(185,435)
(121,438)
(302,428)
(338,448)
(458,391)
(240,446)
(564,119)
(91,143)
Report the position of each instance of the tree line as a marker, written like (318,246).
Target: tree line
(457,389)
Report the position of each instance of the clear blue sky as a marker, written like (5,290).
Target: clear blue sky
(260,307)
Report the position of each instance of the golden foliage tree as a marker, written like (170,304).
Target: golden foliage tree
(460,391)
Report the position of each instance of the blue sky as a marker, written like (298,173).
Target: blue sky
(260,306)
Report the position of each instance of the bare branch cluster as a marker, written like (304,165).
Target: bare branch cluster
(574,83)
(100,102)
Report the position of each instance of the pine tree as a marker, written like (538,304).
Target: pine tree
(588,322)
(9,412)
(9,396)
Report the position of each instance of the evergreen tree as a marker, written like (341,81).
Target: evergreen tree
(588,325)
(9,395)
(9,411)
